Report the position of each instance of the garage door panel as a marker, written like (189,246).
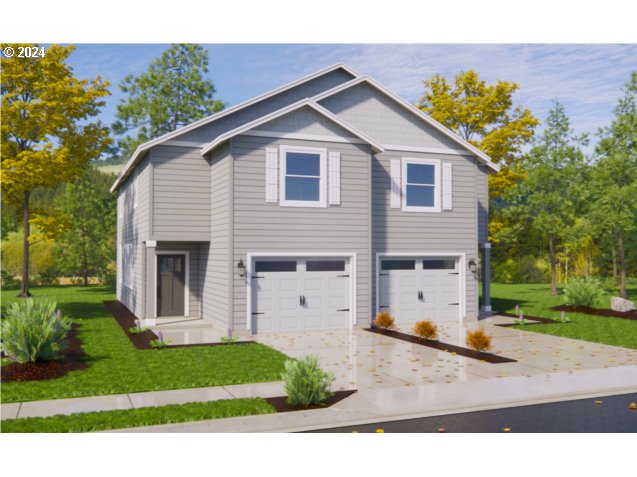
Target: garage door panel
(279,290)
(399,289)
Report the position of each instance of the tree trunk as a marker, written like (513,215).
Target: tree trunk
(85,270)
(24,292)
(622,265)
(614,255)
(553,266)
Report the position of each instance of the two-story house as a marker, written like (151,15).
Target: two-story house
(310,207)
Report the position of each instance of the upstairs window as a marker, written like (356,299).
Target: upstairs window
(303,177)
(421,185)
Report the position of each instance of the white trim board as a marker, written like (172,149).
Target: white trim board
(283,111)
(462,275)
(353,272)
(144,147)
(186,285)
(304,137)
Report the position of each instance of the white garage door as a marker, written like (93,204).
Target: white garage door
(419,288)
(290,294)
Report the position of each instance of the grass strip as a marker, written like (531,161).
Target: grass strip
(143,416)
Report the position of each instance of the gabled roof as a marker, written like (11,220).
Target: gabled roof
(286,110)
(414,110)
(138,154)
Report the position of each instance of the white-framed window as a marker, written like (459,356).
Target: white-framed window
(421,185)
(303,176)
(128,264)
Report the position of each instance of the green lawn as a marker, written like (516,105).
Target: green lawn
(536,299)
(116,366)
(144,416)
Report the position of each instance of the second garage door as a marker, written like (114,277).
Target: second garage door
(297,294)
(419,288)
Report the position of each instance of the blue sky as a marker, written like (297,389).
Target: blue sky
(587,79)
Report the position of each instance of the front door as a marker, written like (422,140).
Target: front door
(171,285)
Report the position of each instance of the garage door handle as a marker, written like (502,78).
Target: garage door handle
(300,300)
(420,295)
(343,309)
(453,303)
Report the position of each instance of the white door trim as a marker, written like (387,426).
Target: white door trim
(352,278)
(462,276)
(187,284)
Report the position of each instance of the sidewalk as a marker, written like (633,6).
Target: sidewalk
(427,400)
(136,400)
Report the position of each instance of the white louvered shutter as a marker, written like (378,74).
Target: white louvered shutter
(395,184)
(447,187)
(334,168)
(271,174)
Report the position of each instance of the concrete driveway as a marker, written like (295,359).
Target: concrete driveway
(366,361)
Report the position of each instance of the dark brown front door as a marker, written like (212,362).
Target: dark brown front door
(171,284)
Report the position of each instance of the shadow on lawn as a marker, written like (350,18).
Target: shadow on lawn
(505,304)
(83,309)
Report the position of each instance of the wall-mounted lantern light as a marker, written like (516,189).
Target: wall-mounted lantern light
(242,268)
(473,266)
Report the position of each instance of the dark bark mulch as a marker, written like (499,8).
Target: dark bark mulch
(71,358)
(126,320)
(533,320)
(459,350)
(280,403)
(627,315)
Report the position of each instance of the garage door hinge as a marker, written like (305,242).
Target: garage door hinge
(453,303)
(343,309)
(259,313)
(383,306)
(454,273)
(383,274)
(257,276)
(338,276)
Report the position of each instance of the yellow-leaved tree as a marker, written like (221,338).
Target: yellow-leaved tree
(484,115)
(47,133)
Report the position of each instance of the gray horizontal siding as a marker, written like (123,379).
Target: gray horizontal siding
(181,191)
(455,231)
(208,132)
(216,288)
(383,119)
(267,227)
(133,227)
(194,275)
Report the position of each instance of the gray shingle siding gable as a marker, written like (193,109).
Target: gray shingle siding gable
(305,121)
(208,132)
(383,119)
(267,227)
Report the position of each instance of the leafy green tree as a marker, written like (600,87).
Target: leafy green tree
(172,93)
(614,185)
(46,132)
(485,116)
(551,195)
(88,246)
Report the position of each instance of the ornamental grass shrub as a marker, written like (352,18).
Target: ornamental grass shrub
(305,382)
(426,329)
(384,320)
(478,340)
(33,331)
(585,291)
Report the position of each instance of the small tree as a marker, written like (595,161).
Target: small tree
(551,194)
(89,243)
(47,136)
(614,190)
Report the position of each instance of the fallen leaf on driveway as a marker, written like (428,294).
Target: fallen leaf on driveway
(506,429)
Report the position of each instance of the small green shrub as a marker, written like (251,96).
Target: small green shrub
(526,269)
(583,291)
(426,329)
(7,280)
(305,382)
(32,331)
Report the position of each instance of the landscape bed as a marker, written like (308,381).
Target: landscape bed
(71,359)
(607,312)
(459,350)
